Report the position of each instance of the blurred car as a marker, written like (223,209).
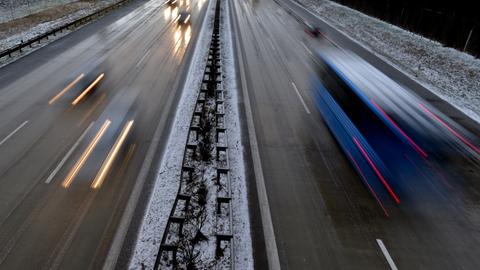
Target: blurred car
(184,18)
(312,30)
(91,76)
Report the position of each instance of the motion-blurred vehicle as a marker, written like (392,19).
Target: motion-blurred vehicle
(79,87)
(184,18)
(389,135)
(312,30)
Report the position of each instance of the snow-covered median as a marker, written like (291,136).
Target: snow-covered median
(206,166)
(452,75)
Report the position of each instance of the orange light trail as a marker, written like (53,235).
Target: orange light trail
(107,164)
(83,158)
(188,35)
(167,12)
(89,88)
(68,87)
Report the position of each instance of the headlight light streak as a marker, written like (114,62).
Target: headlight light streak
(68,87)
(107,164)
(83,158)
(88,89)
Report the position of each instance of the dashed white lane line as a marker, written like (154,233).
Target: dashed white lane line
(306,48)
(300,97)
(69,153)
(385,252)
(272,44)
(143,58)
(13,133)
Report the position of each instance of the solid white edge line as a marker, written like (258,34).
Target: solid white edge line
(385,252)
(301,98)
(13,133)
(306,48)
(272,44)
(267,224)
(75,145)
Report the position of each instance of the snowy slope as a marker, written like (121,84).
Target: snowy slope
(11,9)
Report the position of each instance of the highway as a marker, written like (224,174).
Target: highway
(323,216)
(79,116)
(76,120)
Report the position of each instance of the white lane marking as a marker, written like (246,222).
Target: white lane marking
(390,261)
(13,133)
(306,48)
(272,44)
(143,58)
(334,43)
(69,153)
(265,215)
(300,97)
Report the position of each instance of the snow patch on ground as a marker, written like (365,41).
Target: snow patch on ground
(452,75)
(41,28)
(240,213)
(12,9)
(167,182)
(38,29)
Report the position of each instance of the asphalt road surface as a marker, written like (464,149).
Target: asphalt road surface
(67,170)
(323,216)
(68,162)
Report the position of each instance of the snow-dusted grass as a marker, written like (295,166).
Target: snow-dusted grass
(11,9)
(33,29)
(452,75)
(41,28)
(241,220)
(167,182)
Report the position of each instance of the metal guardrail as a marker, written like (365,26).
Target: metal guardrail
(53,32)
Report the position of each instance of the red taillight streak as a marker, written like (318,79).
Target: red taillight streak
(368,185)
(417,148)
(377,172)
(465,141)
